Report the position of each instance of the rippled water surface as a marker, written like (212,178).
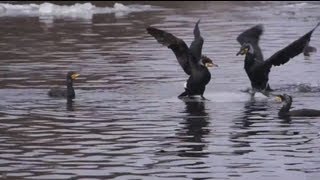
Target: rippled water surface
(126,121)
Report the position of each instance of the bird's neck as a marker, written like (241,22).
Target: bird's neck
(285,107)
(249,59)
(249,62)
(70,90)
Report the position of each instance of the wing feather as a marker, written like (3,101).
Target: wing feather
(295,48)
(197,43)
(178,46)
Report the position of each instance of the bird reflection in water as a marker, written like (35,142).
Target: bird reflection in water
(70,105)
(254,112)
(194,128)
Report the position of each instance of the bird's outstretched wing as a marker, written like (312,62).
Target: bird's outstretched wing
(196,45)
(178,46)
(292,50)
(252,36)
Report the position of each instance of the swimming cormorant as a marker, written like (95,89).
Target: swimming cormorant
(256,68)
(190,58)
(62,92)
(285,110)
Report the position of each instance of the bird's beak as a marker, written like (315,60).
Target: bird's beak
(75,75)
(238,52)
(278,99)
(242,51)
(211,65)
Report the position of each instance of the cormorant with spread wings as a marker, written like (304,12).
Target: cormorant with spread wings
(190,59)
(256,67)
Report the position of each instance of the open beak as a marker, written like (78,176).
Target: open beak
(75,75)
(211,65)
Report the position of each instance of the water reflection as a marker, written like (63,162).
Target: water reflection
(285,119)
(254,109)
(122,115)
(70,105)
(194,129)
(254,112)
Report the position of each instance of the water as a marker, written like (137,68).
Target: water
(126,121)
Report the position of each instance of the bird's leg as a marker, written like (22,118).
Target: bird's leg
(264,92)
(253,92)
(203,98)
(185,93)
(268,88)
(247,90)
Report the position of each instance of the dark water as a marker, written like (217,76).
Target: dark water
(126,121)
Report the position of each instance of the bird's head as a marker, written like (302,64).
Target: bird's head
(245,49)
(207,62)
(72,75)
(283,98)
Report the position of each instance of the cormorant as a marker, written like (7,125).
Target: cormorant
(285,110)
(256,68)
(190,59)
(66,93)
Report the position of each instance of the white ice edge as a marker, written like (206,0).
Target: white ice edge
(81,10)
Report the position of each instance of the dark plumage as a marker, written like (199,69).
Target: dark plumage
(285,110)
(309,49)
(255,66)
(190,59)
(69,91)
